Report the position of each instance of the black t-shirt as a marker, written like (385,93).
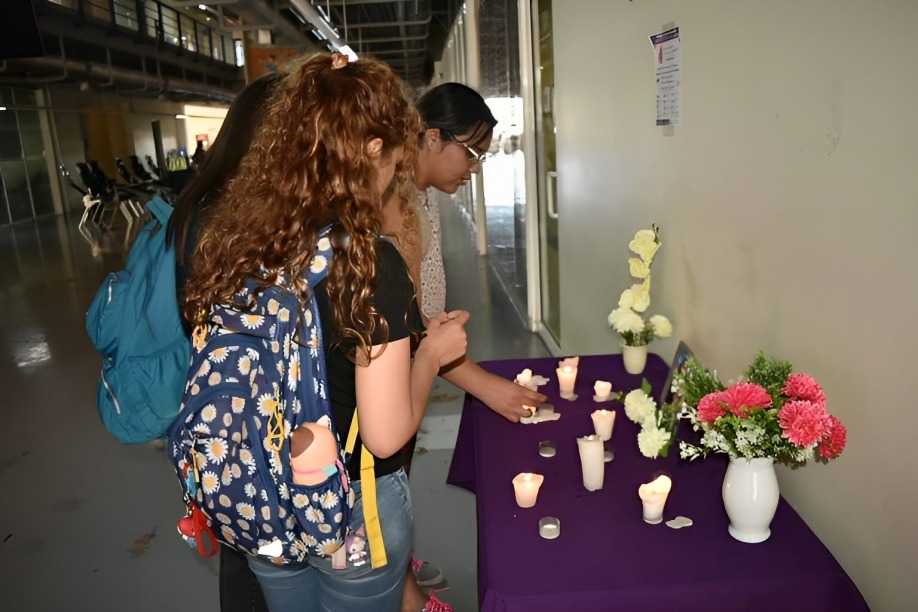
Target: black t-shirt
(393,297)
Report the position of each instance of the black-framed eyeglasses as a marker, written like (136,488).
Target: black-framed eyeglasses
(472,154)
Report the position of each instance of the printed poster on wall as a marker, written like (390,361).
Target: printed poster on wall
(667,61)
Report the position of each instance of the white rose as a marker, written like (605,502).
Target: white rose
(662,328)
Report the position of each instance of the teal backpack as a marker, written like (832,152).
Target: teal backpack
(134,322)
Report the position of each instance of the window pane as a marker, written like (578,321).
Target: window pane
(17,189)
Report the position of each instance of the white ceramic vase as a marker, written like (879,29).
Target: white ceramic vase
(751,495)
(635,358)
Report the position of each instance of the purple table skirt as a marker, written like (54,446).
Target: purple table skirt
(606,557)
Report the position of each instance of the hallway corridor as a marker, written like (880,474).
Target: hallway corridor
(87,523)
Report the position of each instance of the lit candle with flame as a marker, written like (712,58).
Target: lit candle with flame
(653,496)
(526,487)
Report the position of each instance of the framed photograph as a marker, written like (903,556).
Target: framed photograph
(683,352)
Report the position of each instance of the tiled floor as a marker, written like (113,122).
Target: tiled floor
(87,523)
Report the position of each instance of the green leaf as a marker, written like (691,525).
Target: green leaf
(645,386)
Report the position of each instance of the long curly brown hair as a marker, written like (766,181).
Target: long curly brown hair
(307,167)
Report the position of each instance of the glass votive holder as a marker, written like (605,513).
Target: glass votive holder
(549,527)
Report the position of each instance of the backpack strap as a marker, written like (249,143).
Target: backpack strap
(368,488)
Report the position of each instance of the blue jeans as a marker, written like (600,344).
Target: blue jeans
(314,586)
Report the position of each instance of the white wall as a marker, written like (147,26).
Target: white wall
(788,210)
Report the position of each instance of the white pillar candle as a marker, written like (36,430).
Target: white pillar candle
(526,487)
(567,375)
(524,379)
(592,462)
(653,496)
(602,389)
(569,361)
(603,422)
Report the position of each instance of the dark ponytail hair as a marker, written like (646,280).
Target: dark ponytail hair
(455,109)
(221,161)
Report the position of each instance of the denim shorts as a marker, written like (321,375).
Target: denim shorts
(314,586)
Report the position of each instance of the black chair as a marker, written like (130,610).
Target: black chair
(153,168)
(123,171)
(138,170)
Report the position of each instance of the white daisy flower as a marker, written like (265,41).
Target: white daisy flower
(209,413)
(266,404)
(318,264)
(244,365)
(249,489)
(201,428)
(215,450)
(323,244)
(210,483)
(314,515)
(252,321)
(214,378)
(283,315)
(218,355)
(246,510)
(330,500)
(273,306)
(237,404)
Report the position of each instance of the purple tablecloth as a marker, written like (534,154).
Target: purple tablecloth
(606,557)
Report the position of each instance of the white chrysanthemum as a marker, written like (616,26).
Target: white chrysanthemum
(662,328)
(626,320)
(639,406)
(651,440)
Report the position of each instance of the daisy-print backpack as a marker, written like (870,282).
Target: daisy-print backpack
(257,380)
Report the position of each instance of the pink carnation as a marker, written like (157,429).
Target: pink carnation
(711,407)
(743,396)
(834,443)
(804,387)
(804,423)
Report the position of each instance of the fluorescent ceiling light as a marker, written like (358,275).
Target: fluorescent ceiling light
(181,116)
(2,108)
(203,7)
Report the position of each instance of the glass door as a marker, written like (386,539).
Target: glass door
(544,86)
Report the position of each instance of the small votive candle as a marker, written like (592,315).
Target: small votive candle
(602,389)
(603,422)
(653,496)
(549,527)
(567,375)
(526,487)
(524,379)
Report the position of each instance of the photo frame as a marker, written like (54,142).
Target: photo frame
(683,352)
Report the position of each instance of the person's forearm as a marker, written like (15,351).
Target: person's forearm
(423,373)
(464,375)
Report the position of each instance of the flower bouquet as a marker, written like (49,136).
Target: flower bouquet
(658,424)
(771,413)
(627,319)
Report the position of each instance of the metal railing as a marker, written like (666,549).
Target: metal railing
(156,21)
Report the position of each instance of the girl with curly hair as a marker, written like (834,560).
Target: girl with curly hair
(334,143)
